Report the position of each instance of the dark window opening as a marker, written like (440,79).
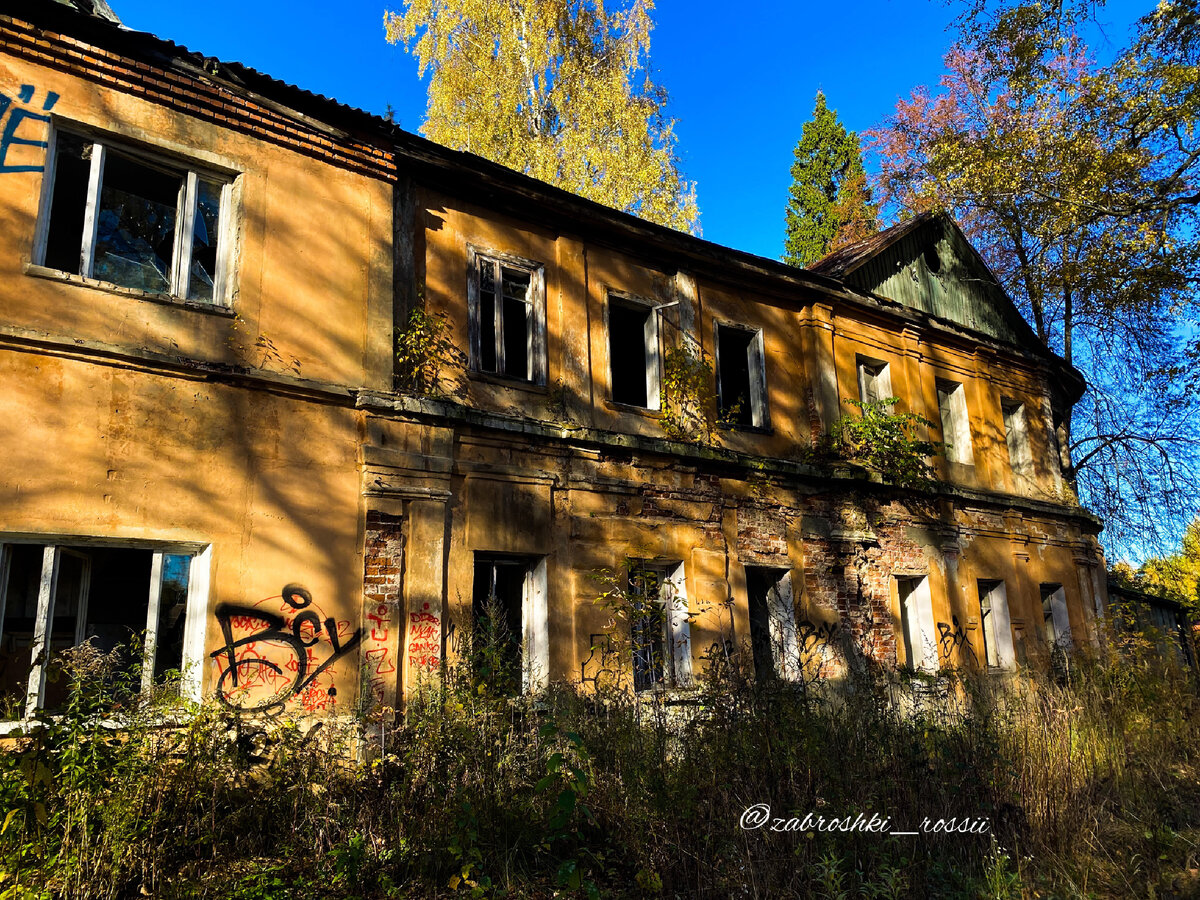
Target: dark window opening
(735,369)
(68,203)
(506,320)
(630,332)
(103,597)
(651,664)
(767,643)
(498,602)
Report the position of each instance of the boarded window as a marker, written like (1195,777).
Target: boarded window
(633,353)
(916,623)
(741,379)
(134,220)
(874,380)
(956,426)
(1056,624)
(1016,435)
(995,625)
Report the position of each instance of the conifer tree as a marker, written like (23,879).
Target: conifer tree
(829,203)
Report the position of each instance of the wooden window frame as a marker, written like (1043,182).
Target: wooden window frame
(651,338)
(54,548)
(756,363)
(672,596)
(535,321)
(955,419)
(185,208)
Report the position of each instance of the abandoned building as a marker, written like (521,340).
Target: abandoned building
(204,271)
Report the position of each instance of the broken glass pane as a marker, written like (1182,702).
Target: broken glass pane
(135,238)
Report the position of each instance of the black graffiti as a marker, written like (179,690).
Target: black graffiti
(275,632)
(811,636)
(603,656)
(954,638)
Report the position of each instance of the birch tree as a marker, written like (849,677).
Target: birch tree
(556,89)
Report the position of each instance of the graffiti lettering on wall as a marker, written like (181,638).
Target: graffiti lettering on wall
(376,659)
(273,657)
(602,665)
(15,116)
(954,638)
(424,640)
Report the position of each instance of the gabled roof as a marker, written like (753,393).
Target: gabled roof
(926,263)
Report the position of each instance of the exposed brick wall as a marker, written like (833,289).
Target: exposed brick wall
(203,99)
(383,586)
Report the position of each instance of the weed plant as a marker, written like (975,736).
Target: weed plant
(1088,780)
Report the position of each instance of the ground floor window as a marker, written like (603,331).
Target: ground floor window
(916,624)
(995,625)
(773,637)
(130,602)
(510,646)
(659,626)
(1056,625)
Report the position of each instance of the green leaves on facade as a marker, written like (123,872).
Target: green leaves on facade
(886,442)
(829,202)
(556,89)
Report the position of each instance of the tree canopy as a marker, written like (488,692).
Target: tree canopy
(557,89)
(1079,184)
(829,203)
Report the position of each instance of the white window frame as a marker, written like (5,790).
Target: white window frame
(756,363)
(955,421)
(916,623)
(54,548)
(181,257)
(781,625)
(874,379)
(651,340)
(535,321)
(677,644)
(1016,436)
(535,635)
(995,624)
(1056,621)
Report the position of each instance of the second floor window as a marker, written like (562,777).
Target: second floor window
(1016,435)
(508,318)
(118,215)
(956,426)
(741,376)
(874,380)
(633,352)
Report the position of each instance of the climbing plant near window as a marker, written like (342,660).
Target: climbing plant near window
(688,395)
(423,347)
(885,441)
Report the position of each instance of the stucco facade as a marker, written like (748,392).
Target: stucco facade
(224,456)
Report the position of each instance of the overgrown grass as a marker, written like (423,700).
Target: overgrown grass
(1089,784)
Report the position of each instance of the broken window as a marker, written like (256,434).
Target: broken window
(1056,625)
(1016,435)
(510,648)
(121,216)
(131,603)
(741,376)
(659,626)
(508,318)
(874,380)
(916,623)
(773,637)
(956,426)
(995,625)
(633,352)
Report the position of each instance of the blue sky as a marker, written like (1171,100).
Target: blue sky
(741,84)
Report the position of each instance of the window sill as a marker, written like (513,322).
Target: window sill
(647,412)
(107,286)
(747,429)
(504,381)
